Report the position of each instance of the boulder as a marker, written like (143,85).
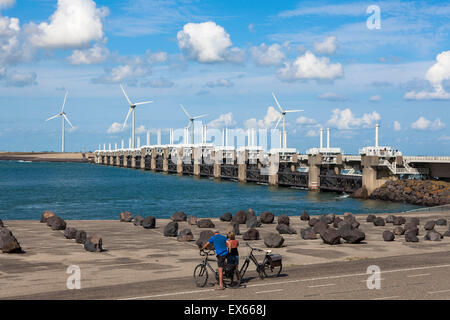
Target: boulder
(390,218)
(45,215)
(1,223)
(58,224)
(227,216)
(50,220)
(185,235)
(149,222)
(234,227)
(250,214)
(283,219)
(371,218)
(178,216)
(304,216)
(355,224)
(8,243)
(252,222)
(80,237)
(205,223)
(251,234)
(192,220)
(285,229)
(410,225)
(398,231)
(267,217)
(203,238)
(433,235)
(319,227)
(94,243)
(411,235)
(330,236)
(447,233)
(308,234)
(441,222)
(353,236)
(336,222)
(137,221)
(70,233)
(324,218)
(429,225)
(378,222)
(125,216)
(388,235)
(413,220)
(273,240)
(344,227)
(171,229)
(240,217)
(360,193)
(331,217)
(312,222)
(398,221)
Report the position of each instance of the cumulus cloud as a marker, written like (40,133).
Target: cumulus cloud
(220,83)
(264,55)
(328,46)
(94,55)
(304,121)
(308,66)
(141,129)
(115,127)
(224,120)
(156,57)
(122,73)
(207,42)
(19,79)
(436,75)
(74,24)
(269,120)
(7,3)
(397,126)
(331,96)
(344,119)
(424,124)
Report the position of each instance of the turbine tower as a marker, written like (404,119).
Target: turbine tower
(191,122)
(132,107)
(63,116)
(283,116)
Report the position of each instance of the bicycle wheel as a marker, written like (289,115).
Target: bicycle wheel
(200,275)
(272,271)
(261,271)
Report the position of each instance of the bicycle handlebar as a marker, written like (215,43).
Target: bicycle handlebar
(256,249)
(210,252)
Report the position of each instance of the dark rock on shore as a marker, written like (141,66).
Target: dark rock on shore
(433,235)
(411,235)
(171,229)
(379,222)
(251,234)
(418,192)
(234,227)
(125,216)
(252,222)
(203,238)
(8,242)
(390,218)
(149,222)
(312,222)
(304,216)
(398,221)
(353,236)
(398,231)
(267,217)
(441,222)
(179,216)
(137,221)
(273,240)
(81,237)
(205,223)
(336,222)
(308,234)
(94,243)
(50,220)
(58,224)
(371,218)
(70,233)
(285,229)
(283,219)
(361,193)
(240,217)
(388,235)
(330,236)
(45,215)
(319,227)
(185,235)
(429,225)
(227,216)
(1,223)
(192,220)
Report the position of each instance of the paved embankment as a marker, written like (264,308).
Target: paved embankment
(46,156)
(143,263)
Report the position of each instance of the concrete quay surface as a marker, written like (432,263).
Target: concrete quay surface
(46,156)
(141,263)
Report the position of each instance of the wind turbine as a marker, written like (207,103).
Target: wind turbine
(132,107)
(283,116)
(63,116)
(191,122)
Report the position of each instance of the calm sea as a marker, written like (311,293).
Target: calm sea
(87,191)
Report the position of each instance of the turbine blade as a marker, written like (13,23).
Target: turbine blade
(287,111)
(125,94)
(189,125)
(145,102)
(126,119)
(64,103)
(273,94)
(67,119)
(53,117)
(278,122)
(197,117)
(187,114)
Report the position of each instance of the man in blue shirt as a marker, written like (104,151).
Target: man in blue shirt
(220,245)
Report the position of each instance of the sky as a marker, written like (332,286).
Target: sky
(349,65)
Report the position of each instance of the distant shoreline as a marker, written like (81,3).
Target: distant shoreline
(47,156)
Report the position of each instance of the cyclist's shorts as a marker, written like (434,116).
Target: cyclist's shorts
(221,261)
(233,260)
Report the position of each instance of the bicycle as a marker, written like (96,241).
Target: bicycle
(201,272)
(271,262)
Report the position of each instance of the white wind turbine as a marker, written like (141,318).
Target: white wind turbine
(63,116)
(132,107)
(191,122)
(283,116)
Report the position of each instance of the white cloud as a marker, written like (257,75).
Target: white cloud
(304,121)
(312,133)
(220,83)
(207,42)
(375,98)
(308,66)
(7,3)
(74,24)
(397,126)
(265,55)
(115,127)
(141,129)
(94,55)
(251,27)
(19,79)
(435,75)
(424,124)
(328,46)
(331,96)
(123,72)
(344,119)
(224,120)
(269,120)
(156,57)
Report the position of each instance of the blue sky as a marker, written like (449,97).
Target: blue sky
(224,58)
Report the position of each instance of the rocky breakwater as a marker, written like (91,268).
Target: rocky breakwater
(418,192)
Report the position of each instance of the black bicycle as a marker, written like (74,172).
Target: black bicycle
(201,272)
(270,266)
